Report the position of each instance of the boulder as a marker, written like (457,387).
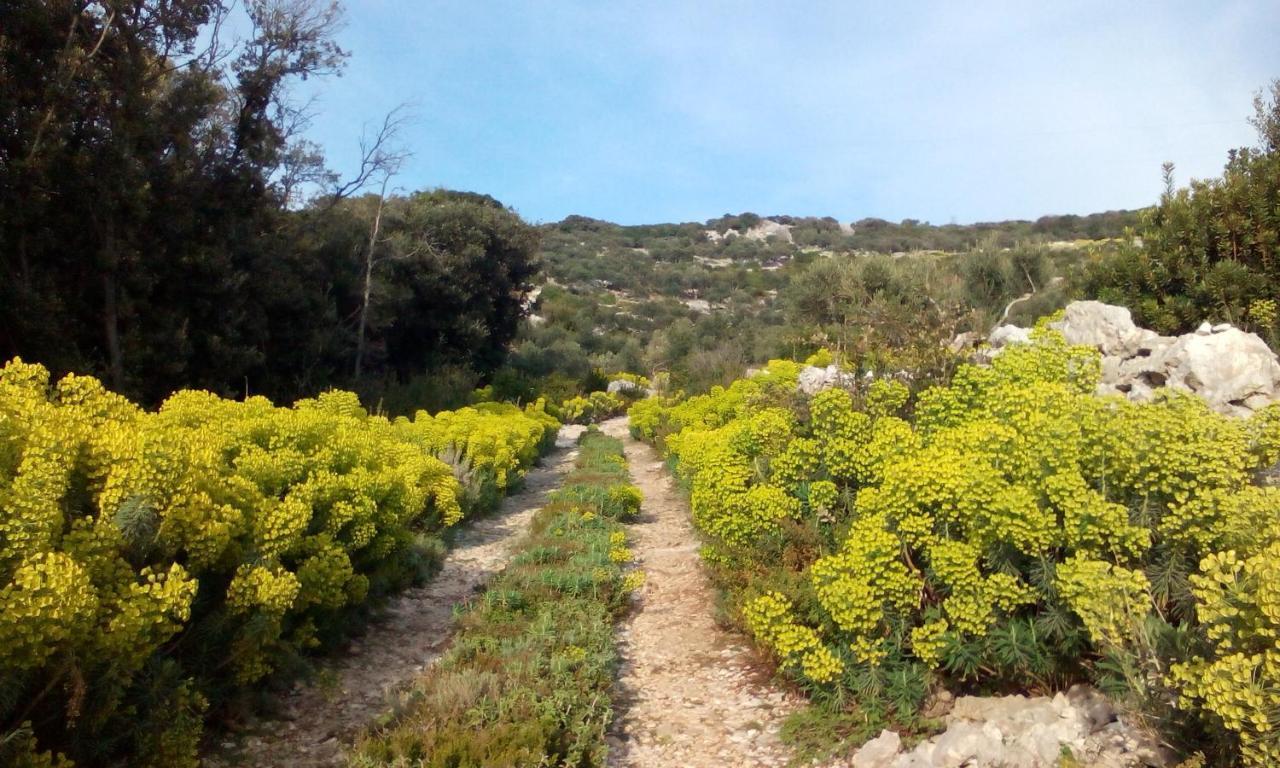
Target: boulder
(1106,327)
(967,743)
(964,341)
(1097,710)
(1234,371)
(1020,732)
(625,387)
(1008,334)
(879,752)
(814,379)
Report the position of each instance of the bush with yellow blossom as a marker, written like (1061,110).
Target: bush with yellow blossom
(1017,531)
(209,541)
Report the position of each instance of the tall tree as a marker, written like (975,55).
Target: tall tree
(1211,250)
(136,176)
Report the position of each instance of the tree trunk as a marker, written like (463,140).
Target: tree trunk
(368,278)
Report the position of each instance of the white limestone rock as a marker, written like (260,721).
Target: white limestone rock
(1107,327)
(814,379)
(1234,371)
(625,387)
(1009,334)
(963,341)
(1022,732)
(879,752)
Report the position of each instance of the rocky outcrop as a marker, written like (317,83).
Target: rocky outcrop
(1022,732)
(1105,326)
(763,230)
(814,379)
(965,341)
(1233,370)
(1008,334)
(627,388)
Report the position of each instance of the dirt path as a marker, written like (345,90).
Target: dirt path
(320,720)
(690,692)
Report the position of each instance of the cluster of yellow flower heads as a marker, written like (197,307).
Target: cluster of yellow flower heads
(624,500)
(1238,602)
(768,617)
(113,517)
(952,516)
(595,406)
(619,552)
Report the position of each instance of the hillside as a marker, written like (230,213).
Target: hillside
(704,300)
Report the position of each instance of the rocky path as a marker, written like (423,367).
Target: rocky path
(690,693)
(320,720)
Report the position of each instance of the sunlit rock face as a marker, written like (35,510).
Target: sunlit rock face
(1233,370)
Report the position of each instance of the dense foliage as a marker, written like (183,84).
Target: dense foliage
(1210,250)
(703,301)
(1005,531)
(154,564)
(154,229)
(529,676)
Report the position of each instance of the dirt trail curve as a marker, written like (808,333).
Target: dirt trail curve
(320,721)
(690,693)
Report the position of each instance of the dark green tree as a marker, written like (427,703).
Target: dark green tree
(139,179)
(1211,250)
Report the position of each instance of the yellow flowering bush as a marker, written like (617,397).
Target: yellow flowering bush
(886,397)
(821,359)
(1018,527)
(1109,600)
(619,552)
(1235,678)
(214,536)
(596,406)
(768,617)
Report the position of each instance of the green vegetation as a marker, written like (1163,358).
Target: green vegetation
(1006,531)
(686,300)
(161,565)
(1210,251)
(168,553)
(163,226)
(528,680)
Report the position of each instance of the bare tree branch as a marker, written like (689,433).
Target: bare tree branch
(71,71)
(380,155)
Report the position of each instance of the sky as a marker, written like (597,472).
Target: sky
(661,111)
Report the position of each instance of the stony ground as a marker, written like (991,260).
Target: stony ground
(690,693)
(1023,732)
(319,720)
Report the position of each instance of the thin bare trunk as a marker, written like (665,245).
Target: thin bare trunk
(368,277)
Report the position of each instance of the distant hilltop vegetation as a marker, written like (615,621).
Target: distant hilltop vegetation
(867,234)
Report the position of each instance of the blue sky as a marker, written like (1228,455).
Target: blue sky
(677,111)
